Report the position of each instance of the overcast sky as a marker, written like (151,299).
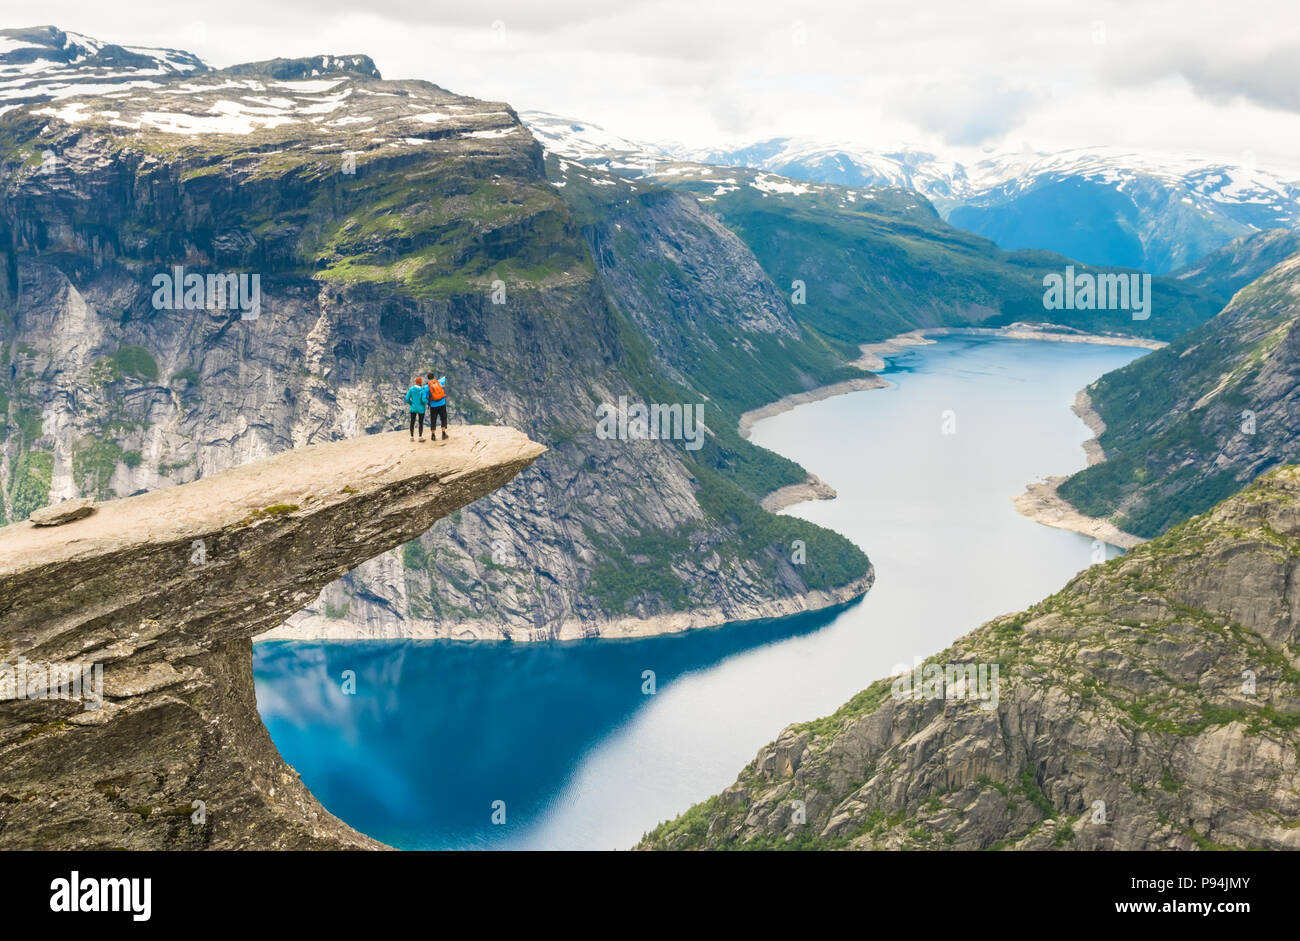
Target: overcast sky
(1214,78)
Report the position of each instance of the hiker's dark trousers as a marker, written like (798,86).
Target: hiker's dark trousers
(436,412)
(417,417)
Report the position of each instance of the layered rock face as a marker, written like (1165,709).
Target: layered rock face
(1153,703)
(165,591)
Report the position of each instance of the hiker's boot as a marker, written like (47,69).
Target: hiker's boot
(444,434)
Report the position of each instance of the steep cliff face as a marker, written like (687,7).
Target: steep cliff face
(1194,422)
(657,251)
(733,338)
(1151,704)
(162,593)
(394,228)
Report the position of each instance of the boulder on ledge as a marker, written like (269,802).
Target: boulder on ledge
(64,512)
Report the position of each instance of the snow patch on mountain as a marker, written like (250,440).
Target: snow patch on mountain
(44,63)
(1104,205)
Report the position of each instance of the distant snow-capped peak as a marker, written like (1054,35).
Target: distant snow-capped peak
(945,181)
(842,163)
(1243,181)
(44,63)
(592,145)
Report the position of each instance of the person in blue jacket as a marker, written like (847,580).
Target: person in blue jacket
(437,390)
(417,400)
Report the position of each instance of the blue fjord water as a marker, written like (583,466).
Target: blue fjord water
(564,734)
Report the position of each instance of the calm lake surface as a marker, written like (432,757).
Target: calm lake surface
(563,733)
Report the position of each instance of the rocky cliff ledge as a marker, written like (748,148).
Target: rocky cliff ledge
(165,591)
(1153,703)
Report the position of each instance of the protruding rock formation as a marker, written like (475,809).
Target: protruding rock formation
(166,591)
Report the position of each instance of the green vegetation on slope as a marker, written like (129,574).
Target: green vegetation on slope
(29,489)
(93,462)
(1190,424)
(1112,694)
(731,475)
(133,362)
(883,263)
(447,227)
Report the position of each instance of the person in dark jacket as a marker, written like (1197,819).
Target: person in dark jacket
(437,405)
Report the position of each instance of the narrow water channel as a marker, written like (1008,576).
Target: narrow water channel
(563,734)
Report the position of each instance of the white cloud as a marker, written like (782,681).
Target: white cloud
(1177,75)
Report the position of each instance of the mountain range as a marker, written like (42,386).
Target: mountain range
(551,270)
(44,62)
(394,225)
(1104,206)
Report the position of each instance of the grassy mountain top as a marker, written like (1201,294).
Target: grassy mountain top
(348,177)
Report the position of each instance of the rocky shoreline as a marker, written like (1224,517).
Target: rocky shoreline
(1040,502)
(677,622)
(786,403)
(1029,331)
(1043,504)
(873,353)
(317,627)
(811,488)
(1083,408)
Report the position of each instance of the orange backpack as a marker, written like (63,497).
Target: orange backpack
(435,391)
